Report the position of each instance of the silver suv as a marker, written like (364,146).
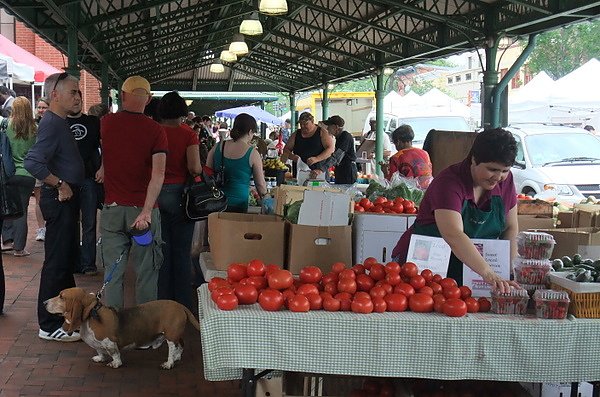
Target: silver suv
(565,160)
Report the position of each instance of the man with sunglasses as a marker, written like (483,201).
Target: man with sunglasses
(55,160)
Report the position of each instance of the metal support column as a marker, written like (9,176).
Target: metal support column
(490,80)
(379,93)
(104,91)
(325,102)
(73,12)
(263,126)
(292,111)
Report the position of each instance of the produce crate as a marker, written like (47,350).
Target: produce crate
(534,207)
(585,297)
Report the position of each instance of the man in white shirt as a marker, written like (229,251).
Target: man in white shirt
(388,148)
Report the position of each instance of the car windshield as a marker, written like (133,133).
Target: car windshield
(550,149)
(422,125)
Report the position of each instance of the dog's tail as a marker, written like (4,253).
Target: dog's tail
(191,318)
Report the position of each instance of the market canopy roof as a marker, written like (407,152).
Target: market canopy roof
(40,67)
(172,43)
(19,72)
(257,113)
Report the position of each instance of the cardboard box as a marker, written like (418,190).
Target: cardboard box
(569,241)
(287,194)
(243,237)
(448,147)
(376,235)
(534,207)
(586,215)
(319,246)
(564,220)
(530,222)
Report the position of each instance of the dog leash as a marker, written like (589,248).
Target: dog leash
(109,277)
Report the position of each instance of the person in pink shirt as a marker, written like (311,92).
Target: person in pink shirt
(409,161)
(475,198)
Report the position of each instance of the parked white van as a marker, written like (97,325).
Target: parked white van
(564,159)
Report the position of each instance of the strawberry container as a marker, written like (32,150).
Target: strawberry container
(551,304)
(513,302)
(535,245)
(531,271)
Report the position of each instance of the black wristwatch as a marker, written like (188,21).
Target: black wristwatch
(58,184)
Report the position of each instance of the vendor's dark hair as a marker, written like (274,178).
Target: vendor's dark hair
(494,146)
(242,124)
(172,106)
(404,133)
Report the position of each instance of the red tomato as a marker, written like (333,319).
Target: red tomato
(365,203)
(377,292)
(221,291)
(451,292)
(325,295)
(217,282)
(343,296)
(358,208)
(386,286)
(347,285)
(387,205)
(271,268)
(472,305)
(337,267)
(315,301)
(379,305)
(455,307)
(437,278)
(364,282)
(377,209)
(484,305)
(427,275)
(409,269)
(408,204)
(280,279)
(362,305)
(258,282)
(426,290)
(398,208)
(287,294)
(396,302)
(393,278)
(331,304)
(405,289)
(417,282)
(438,303)
(345,304)
(412,210)
(377,271)
(227,302)
(270,300)
(369,261)
(393,267)
(256,268)
(299,303)
(465,292)
(331,287)
(306,289)
(447,283)
(236,271)
(310,274)
(420,303)
(380,200)
(348,273)
(358,269)
(329,277)
(437,289)
(246,294)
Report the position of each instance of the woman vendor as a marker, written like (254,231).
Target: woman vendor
(472,199)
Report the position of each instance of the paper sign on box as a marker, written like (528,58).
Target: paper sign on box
(324,209)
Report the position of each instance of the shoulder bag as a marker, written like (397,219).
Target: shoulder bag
(204,195)
(6,151)
(10,202)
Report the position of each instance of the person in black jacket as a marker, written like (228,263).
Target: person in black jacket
(344,156)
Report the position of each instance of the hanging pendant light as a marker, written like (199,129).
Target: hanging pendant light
(273,7)
(238,46)
(251,26)
(217,67)
(228,56)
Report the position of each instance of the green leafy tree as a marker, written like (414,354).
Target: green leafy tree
(560,51)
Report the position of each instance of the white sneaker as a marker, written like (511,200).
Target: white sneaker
(41,234)
(60,335)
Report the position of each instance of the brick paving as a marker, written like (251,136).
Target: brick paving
(30,366)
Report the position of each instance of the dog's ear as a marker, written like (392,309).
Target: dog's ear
(73,312)
(89,302)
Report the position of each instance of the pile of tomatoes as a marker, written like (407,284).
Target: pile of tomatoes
(382,205)
(522,196)
(370,287)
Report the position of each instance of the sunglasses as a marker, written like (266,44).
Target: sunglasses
(61,76)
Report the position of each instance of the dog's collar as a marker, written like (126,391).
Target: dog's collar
(94,312)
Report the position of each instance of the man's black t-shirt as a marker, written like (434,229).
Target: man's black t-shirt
(86,130)
(345,171)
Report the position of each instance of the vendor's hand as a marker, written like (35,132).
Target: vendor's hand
(498,283)
(311,160)
(315,174)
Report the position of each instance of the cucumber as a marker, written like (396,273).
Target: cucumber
(588,261)
(567,261)
(584,277)
(557,264)
(577,259)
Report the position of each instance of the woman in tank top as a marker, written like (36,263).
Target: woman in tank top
(310,143)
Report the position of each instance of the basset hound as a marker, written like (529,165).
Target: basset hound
(109,330)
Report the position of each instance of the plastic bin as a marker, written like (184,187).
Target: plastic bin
(531,271)
(535,245)
(551,304)
(513,302)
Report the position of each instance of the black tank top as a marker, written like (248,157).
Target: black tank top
(308,147)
